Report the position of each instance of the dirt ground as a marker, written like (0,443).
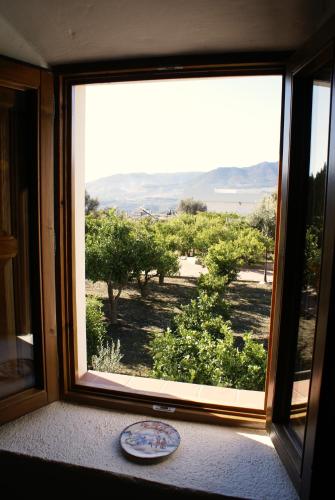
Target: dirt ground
(140,319)
(250,308)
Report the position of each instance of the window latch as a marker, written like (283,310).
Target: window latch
(166,409)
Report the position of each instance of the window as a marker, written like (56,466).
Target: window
(303,316)
(28,360)
(298,427)
(173,392)
(19,348)
(314,229)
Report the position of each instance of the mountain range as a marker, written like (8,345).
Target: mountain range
(232,189)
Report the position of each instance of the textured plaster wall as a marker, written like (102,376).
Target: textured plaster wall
(218,459)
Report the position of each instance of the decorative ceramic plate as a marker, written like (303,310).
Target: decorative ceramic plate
(149,439)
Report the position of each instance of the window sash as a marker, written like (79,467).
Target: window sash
(23,77)
(68,77)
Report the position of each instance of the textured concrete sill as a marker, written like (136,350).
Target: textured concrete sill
(228,461)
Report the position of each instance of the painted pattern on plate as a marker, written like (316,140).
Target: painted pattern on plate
(150,439)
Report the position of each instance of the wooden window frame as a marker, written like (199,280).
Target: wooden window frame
(307,465)
(67,77)
(22,77)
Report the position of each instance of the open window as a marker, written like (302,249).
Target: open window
(304,311)
(300,362)
(152,224)
(28,360)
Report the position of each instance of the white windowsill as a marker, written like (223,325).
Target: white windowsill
(217,459)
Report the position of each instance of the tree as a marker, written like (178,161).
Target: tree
(168,262)
(146,254)
(91,204)
(264,219)
(151,256)
(191,206)
(226,257)
(168,265)
(110,243)
(223,259)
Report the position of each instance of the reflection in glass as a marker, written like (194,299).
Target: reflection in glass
(16,331)
(312,252)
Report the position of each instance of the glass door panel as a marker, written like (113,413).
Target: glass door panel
(313,236)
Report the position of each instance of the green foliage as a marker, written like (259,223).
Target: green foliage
(184,231)
(109,254)
(210,228)
(264,216)
(146,252)
(223,259)
(251,365)
(152,257)
(250,245)
(168,263)
(95,326)
(312,257)
(109,248)
(194,234)
(212,283)
(226,257)
(191,206)
(199,348)
(205,313)
(91,204)
(108,358)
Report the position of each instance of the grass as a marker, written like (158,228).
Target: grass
(140,319)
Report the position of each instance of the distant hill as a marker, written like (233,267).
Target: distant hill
(223,189)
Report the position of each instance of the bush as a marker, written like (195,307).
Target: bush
(108,358)
(95,326)
(212,283)
(251,365)
(199,348)
(205,313)
(224,259)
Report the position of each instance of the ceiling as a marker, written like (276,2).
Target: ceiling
(50,32)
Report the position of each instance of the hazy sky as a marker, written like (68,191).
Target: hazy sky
(181,125)
(320,127)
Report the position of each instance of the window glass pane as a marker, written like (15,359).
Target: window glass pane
(312,250)
(17,357)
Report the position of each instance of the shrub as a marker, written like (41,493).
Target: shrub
(212,283)
(199,348)
(95,326)
(108,358)
(224,259)
(205,313)
(251,365)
